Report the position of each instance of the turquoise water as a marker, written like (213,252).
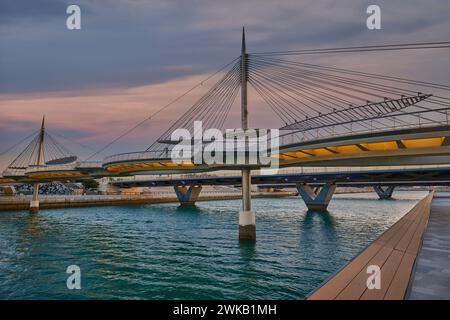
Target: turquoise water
(167,252)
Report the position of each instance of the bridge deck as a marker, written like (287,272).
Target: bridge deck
(432,272)
(395,252)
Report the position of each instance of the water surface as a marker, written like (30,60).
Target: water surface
(168,252)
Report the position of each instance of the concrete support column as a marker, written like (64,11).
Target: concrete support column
(247,217)
(34,204)
(384,194)
(247,225)
(317,199)
(187,195)
(247,220)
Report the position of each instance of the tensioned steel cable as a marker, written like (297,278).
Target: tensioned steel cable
(72,140)
(354,72)
(364,74)
(18,143)
(288,76)
(283,87)
(161,109)
(59,150)
(359,82)
(52,150)
(205,103)
(210,108)
(200,109)
(24,158)
(372,85)
(292,75)
(376,86)
(373,48)
(268,96)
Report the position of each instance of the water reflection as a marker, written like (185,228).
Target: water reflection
(33,225)
(319,229)
(188,209)
(247,250)
(325,217)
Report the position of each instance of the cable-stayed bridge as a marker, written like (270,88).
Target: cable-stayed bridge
(327,116)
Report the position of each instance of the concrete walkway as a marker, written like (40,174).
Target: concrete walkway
(431,279)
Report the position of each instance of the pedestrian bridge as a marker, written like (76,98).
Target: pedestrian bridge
(402,147)
(416,146)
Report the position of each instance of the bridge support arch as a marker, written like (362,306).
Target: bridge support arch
(384,194)
(187,195)
(316,199)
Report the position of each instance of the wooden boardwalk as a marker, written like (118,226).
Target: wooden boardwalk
(395,252)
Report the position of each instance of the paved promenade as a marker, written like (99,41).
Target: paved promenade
(431,278)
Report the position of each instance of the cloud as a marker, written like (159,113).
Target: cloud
(134,42)
(94,118)
(132,56)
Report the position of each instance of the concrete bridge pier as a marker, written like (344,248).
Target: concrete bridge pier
(384,194)
(316,199)
(187,195)
(247,217)
(34,204)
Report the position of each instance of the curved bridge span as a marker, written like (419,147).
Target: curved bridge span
(411,146)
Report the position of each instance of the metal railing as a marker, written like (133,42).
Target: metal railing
(89,165)
(47,168)
(14,173)
(143,155)
(420,121)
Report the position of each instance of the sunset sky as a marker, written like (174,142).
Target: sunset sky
(133,56)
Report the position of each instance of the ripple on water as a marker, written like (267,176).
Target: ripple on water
(167,252)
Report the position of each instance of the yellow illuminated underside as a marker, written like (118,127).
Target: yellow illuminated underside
(363,148)
(346,149)
(47,175)
(147,165)
(7,180)
(381,146)
(423,143)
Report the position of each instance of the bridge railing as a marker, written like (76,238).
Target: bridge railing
(89,165)
(64,167)
(417,119)
(14,173)
(143,155)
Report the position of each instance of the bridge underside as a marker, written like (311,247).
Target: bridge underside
(417,146)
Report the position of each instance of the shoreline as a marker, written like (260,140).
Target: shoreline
(18,203)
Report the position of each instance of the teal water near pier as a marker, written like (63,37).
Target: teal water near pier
(164,251)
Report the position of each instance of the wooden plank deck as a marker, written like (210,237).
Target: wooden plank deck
(395,252)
